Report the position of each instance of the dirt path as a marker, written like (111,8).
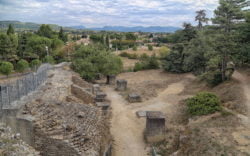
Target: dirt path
(245,82)
(127,129)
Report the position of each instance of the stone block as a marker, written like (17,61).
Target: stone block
(121,85)
(111,79)
(133,97)
(95,88)
(155,127)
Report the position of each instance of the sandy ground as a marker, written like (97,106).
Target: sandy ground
(242,136)
(128,63)
(126,128)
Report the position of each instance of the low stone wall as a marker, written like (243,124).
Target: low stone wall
(82,94)
(81,83)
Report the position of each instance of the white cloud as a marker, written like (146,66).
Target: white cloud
(105,12)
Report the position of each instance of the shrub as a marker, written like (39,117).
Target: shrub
(164,51)
(22,65)
(35,63)
(147,63)
(203,103)
(130,56)
(49,59)
(150,47)
(6,68)
(135,48)
(212,77)
(138,66)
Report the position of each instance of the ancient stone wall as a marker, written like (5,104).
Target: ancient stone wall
(79,82)
(82,94)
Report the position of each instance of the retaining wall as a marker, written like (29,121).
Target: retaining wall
(15,90)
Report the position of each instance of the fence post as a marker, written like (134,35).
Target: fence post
(8,94)
(18,90)
(1,98)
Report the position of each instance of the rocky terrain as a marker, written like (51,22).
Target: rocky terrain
(12,145)
(64,124)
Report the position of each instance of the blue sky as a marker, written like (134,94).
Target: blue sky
(98,13)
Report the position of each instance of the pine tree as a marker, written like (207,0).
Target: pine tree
(227,15)
(10,30)
(201,18)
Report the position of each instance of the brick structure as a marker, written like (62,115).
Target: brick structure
(82,94)
(133,97)
(121,85)
(155,127)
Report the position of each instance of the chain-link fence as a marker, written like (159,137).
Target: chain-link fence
(13,91)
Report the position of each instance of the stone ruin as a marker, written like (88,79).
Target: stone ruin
(155,126)
(82,94)
(121,85)
(111,79)
(133,97)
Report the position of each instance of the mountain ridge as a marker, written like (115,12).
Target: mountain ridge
(20,26)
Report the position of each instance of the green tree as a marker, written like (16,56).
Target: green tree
(45,31)
(8,47)
(150,47)
(22,65)
(90,60)
(36,45)
(49,59)
(10,30)
(6,68)
(35,64)
(62,36)
(201,18)
(227,15)
(131,36)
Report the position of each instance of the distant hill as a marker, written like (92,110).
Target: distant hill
(78,27)
(152,29)
(20,26)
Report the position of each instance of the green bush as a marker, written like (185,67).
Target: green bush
(138,66)
(35,63)
(203,103)
(130,56)
(135,48)
(6,68)
(49,59)
(150,47)
(22,65)
(147,63)
(212,77)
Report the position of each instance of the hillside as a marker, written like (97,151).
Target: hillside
(20,26)
(152,29)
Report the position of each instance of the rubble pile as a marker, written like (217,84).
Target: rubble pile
(12,145)
(63,126)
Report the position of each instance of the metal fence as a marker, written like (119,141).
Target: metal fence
(13,91)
